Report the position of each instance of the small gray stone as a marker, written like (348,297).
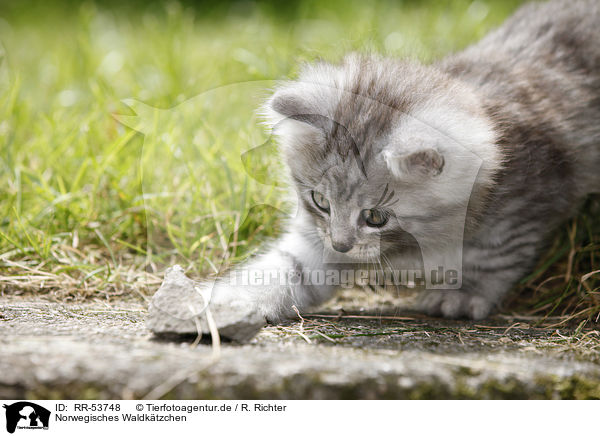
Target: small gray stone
(178,303)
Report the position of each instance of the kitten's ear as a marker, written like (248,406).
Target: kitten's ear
(426,162)
(293,104)
(288,104)
(290,117)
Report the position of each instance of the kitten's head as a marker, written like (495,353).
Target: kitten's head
(383,153)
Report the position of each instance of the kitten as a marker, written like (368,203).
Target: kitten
(463,167)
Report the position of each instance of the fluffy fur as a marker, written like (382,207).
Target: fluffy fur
(473,161)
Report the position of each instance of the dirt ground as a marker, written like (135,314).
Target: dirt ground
(55,350)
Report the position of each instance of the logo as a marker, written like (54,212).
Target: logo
(26,415)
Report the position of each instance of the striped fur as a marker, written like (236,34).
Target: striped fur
(476,158)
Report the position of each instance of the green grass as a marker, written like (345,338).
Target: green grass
(92,208)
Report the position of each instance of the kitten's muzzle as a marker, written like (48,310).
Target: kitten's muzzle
(342,246)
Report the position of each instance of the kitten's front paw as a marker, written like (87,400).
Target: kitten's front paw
(254,298)
(223,294)
(454,304)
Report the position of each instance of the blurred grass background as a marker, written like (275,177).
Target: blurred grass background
(73,217)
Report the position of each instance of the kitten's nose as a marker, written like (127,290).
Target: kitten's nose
(342,246)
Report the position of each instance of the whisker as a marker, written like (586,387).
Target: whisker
(382,195)
(389,197)
(389,263)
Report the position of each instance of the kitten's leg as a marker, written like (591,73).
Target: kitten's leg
(277,280)
(467,302)
(489,272)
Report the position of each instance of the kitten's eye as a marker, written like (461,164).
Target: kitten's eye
(321,202)
(374,217)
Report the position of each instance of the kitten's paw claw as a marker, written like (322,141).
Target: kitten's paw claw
(454,304)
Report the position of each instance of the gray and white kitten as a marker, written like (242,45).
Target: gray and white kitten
(466,164)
